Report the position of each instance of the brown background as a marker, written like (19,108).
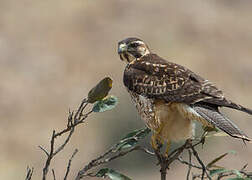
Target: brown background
(53,52)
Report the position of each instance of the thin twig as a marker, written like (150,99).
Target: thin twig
(49,158)
(189,164)
(80,109)
(74,119)
(120,154)
(29,173)
(178,151)
(54,177)
(84,116)
(184,146)
(113,153)
(65,142)
(69,164)
(103,160)
(44,150)
(75,123)
(204,169)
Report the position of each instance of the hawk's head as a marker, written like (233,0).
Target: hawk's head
(131,49)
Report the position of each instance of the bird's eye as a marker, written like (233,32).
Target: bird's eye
(134,45)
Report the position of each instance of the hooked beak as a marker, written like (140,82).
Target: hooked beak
(122,48)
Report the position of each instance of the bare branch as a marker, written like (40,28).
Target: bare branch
(65,142)
(103,160)
(49,157)
(54,177)
(69,164)
(29,173)
(74,119)
(43,149)
(189,164)
(204,169)
(80,109)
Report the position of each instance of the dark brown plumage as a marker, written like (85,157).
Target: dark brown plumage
(150,76)
(154,77)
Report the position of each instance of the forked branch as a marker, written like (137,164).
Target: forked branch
(74,119)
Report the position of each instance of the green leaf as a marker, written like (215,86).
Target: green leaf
(212,163)
(112,174)
(216,160)
(102,172)
(238,174)
(139,133)
(132,138)
(126,144)
(217,134)
(239,178)
(106,104)
(100,91)
(218,171)
(210,129)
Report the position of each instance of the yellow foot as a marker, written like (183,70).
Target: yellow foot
(155,141)
(168,145)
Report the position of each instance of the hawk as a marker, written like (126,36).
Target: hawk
(169,97)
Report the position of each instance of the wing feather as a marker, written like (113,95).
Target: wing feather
(213,116)
(153,76)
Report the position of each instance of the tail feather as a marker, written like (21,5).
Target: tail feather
(213,116)
(239,107)
(227,103)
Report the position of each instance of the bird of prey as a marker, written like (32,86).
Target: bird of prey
(169,97)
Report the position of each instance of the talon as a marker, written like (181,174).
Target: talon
(156,141)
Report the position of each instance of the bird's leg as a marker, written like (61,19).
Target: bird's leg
(153,141)
(168,145)
(156,139)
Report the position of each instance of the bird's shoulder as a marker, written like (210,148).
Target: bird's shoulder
(153,68)
(153,64)
(155,76)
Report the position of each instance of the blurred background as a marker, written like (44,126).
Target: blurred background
(53,52)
